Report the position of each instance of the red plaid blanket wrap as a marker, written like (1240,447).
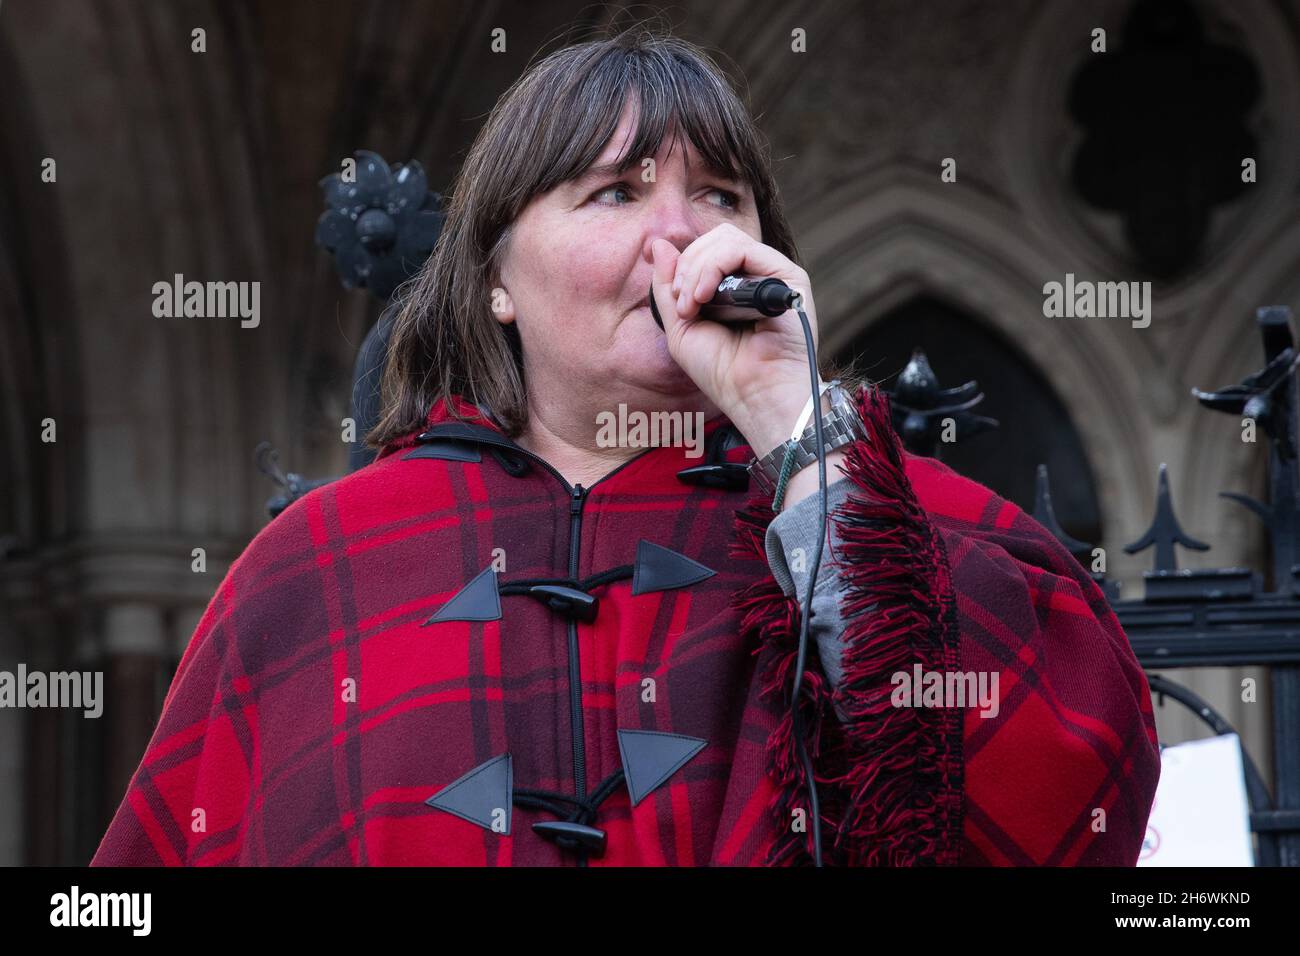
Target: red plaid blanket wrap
(262,756)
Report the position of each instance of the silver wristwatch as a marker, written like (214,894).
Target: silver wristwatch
(840,425)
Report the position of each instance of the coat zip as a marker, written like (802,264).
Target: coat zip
(578,496)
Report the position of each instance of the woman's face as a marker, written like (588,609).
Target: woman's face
(577,271)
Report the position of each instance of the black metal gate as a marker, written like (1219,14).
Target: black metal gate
(1216,617)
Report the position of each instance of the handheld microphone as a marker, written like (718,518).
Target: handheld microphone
(738,297)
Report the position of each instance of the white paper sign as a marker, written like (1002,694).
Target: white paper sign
(1201,816)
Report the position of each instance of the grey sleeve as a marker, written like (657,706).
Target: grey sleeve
(796,528)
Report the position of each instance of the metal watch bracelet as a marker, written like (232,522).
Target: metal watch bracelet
(840,426)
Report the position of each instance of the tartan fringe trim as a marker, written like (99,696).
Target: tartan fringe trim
(889,779)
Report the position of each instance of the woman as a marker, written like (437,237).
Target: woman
(513,640)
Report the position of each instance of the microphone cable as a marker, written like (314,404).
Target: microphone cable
(806,611)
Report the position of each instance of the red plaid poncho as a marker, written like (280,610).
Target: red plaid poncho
(318,717)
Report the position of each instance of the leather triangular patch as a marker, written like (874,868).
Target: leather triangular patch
(660,569)
(481,794)
(446,450)
(477,601)
(650,758)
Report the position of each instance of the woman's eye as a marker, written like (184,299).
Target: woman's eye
(616,188)
(733,199)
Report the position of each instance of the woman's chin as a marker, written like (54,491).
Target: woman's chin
(651,366)
(669,373)
(648,362)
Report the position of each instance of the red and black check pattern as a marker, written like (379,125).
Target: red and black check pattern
(941,572)
(312,716)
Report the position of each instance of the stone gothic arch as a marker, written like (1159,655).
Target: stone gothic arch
(898,233)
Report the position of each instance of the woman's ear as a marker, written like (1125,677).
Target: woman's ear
(502,305)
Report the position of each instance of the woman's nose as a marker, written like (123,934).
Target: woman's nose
(672,218)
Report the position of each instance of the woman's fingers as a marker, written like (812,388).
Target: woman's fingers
(722,251)
(666,258)
(694,260)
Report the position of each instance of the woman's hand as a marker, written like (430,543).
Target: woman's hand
(757,376)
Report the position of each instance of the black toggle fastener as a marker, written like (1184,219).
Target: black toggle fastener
(572,836)
(730,476)
(566,600)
